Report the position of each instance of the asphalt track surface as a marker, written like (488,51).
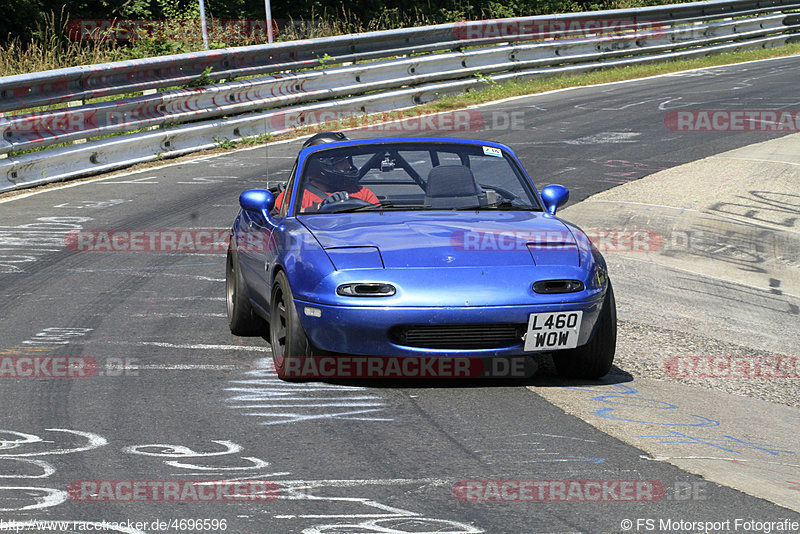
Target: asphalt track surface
(199,404)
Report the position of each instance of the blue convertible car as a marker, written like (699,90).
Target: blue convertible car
(417,247)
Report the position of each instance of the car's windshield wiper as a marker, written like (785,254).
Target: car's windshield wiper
(372,207)
(501,205)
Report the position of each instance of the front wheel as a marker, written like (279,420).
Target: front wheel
(594,359)
(287,338)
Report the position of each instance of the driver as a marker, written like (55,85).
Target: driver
(330,179)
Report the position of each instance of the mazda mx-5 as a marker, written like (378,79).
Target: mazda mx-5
(417,247)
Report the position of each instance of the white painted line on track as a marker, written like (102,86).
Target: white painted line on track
(347,483)
(186,367)
(193,346)
(152,315)
(318,405)
(316,399)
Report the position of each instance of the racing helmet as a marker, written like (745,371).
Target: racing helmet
(334,171)
(325,137)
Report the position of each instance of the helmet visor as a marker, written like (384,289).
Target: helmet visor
(336,171)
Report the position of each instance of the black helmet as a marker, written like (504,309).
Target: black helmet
(335,171)
(325,137)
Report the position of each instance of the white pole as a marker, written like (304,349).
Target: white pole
(268,8)
(203,24)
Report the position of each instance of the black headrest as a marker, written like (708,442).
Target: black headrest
(451,181)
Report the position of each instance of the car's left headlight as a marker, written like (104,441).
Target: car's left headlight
(366,289)
(557,286)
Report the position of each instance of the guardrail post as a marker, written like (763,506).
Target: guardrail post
(3,141)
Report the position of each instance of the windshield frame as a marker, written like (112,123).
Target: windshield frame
(422,144)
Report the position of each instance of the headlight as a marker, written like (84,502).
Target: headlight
(558,286)
(366,289)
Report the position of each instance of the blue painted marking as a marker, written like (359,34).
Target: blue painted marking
(704,421)
(726,444)
(625,390)
(665,405)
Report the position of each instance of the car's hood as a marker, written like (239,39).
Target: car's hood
(442,239)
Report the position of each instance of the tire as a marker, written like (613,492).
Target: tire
(594,359)
(287,338)
(241,319)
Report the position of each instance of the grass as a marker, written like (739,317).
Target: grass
(51,47)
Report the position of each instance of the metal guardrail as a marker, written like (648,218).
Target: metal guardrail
(427,68)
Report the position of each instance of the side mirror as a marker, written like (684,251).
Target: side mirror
(554,196)
(259,201)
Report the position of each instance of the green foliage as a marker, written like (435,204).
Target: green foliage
(177,10)
(136,9)
(501,10)
(324,59)
(202,80)
(20,17)
(259,139)
(154,47)
(487,79)
(224,142)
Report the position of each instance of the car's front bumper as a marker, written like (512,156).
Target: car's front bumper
(366,330)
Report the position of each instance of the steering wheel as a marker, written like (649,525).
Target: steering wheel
(340,204)
(505,193)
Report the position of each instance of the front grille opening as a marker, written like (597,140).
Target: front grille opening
(459,336)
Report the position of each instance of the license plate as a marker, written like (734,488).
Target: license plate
(553,331)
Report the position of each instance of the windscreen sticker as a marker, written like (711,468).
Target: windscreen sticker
(491,151)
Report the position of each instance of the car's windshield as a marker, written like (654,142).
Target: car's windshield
(413,176)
